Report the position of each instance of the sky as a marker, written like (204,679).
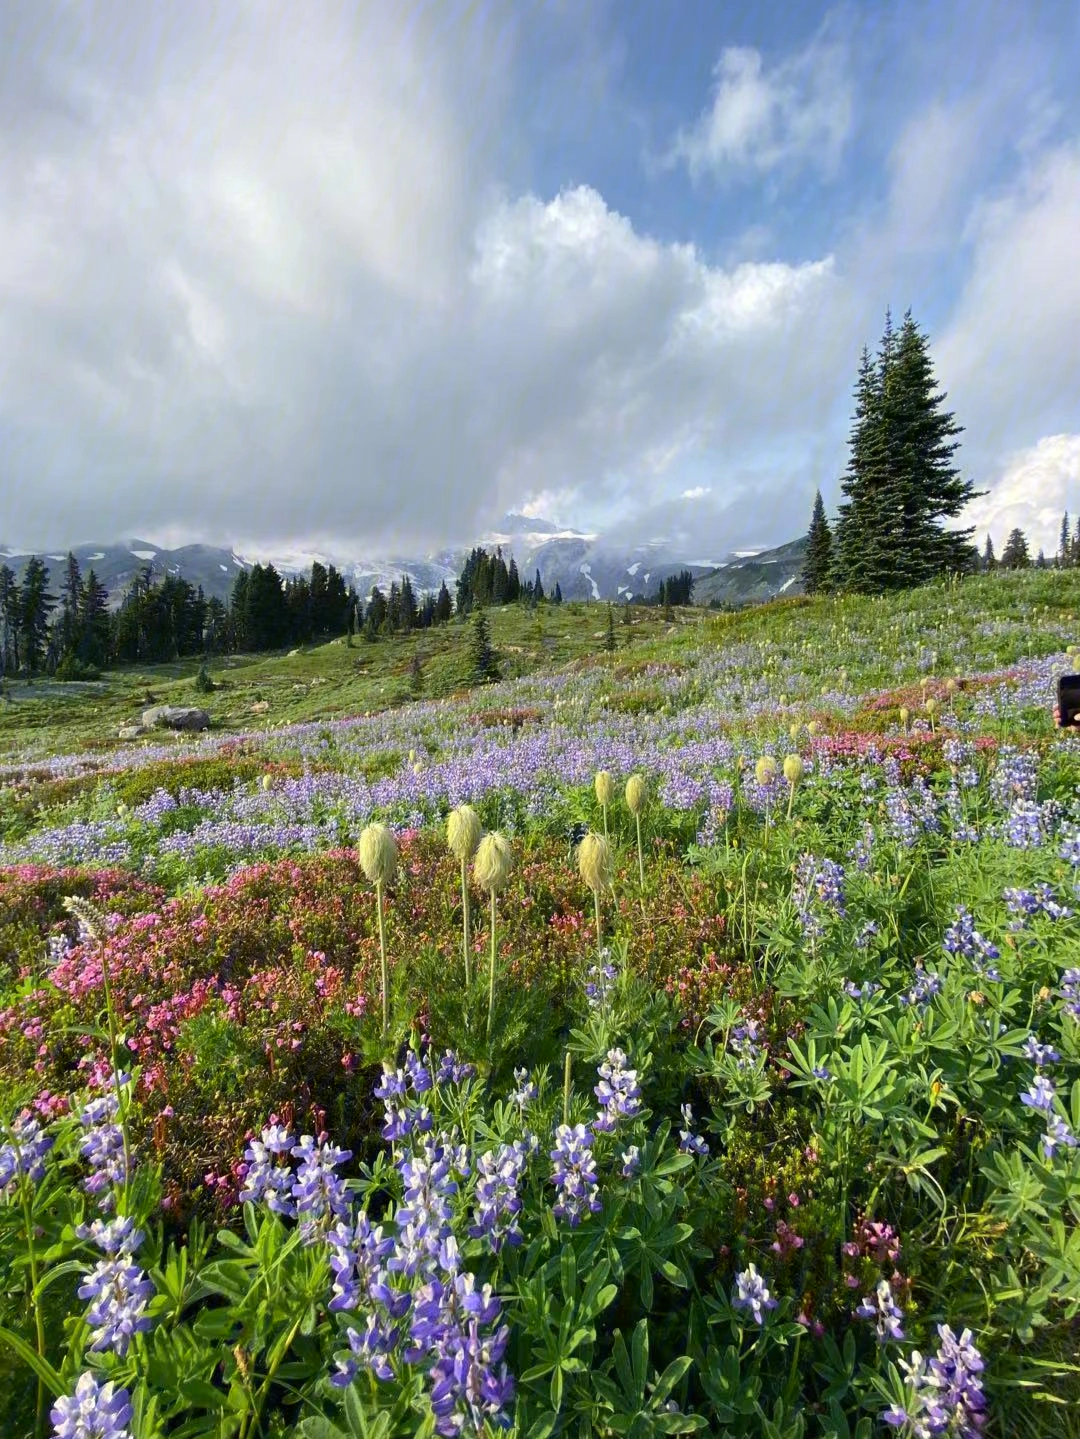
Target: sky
(359,277)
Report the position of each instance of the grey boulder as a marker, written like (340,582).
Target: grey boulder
(175,717)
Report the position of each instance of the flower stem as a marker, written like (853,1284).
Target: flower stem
(599,940)
(465,922)
(567,1069)
(384,972)
(491,969)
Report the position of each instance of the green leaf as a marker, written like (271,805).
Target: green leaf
(41,1367)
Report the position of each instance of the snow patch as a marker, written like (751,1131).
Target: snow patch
(97,555)
(748,554)
(224,567)
(586,570)
(56,557)
(633,569)
(143,554)
(787,584)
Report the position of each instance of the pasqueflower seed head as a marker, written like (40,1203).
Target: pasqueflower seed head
(595,862)
(463,831)
(378,854)
(493,863)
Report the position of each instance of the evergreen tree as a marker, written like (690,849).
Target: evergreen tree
(37,604)
(989,560)
(1040,560)
(1015,555)
(900,481)
(609,637)
(815,574)
(556,598)
(485,665)
(95,623)
(408,610)
(1063,542)
(215,633)
(444,607)
(10,620)
(71,601)
(538,589)
(416,677)
(375,618)
(513,579)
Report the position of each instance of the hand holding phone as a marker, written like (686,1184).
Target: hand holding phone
(1067,709)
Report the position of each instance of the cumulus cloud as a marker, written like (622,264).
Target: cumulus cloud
(1035,488)
(797,112)
(697,493)
(269,294)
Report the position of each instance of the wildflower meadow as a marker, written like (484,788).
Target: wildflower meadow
(685,1039)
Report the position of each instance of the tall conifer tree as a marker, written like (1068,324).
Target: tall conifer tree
(815,575)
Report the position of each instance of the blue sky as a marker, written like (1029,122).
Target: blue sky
(358,277)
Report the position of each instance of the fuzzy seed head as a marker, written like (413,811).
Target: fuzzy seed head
(463,831)
(951,685)
(596,865)
(812,728)
(793,769)
(635,794)
(378,853)
(604,786)
(493,862)
(931,704)
(267,781)
(905,714)
(765,769)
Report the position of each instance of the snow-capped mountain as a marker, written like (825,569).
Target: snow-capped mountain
(585,566)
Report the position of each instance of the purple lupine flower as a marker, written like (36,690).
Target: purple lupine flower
(860,992)
(926,985)
(631,1161)
(525,1091)
(94,1411)
(883,1309)
(453,1071)
(574,1174)
(1070,992)
(497,1205)
(744,1042)
(618,1092)
(1069,849)
(264,1179)
(103,1148)
(370,1350)
(865,934)
(689,1142)
(1040,1054)
(1040,1096)
(319,1194)
(600,981)
(25,1153)
(1058,1136)
(419,1075)
(956,1369)
(821,1071)
(752,1294)
(356,1255)
(119,1236)
(120,1291)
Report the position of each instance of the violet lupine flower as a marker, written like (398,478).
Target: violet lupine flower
(26,1152)
(860,992)
(865,934)
(470,1385)
(402,1119)
(1070,992)
(1040,1096)
(752,1294)
(744,1042)
(525,1091)
(369,1350)
(574,1174)
(1069,849)
(689,1142)
(320,1194)
(94,1411)
(883,1309)
(923,990)
(103,1148)
(495,1217)
(599,984)
(356,1255)
(618,1092)
(419,1075)
(1040,1054)
(1029,902)
(120,1291)
(1058,1136)
(631,1161)
(822,1072)
(956,1368)
(119,1236)
(264,1180)
(424,1240)
(453,1071)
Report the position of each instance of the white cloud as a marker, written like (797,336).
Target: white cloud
(799,111)
(697,493)
(1035,488)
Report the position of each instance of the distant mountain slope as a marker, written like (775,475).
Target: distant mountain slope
(751,579)
(585,566)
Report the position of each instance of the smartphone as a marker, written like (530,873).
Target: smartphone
(1068,699)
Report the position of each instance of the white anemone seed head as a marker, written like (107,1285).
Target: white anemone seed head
(604,786)
(463,831)
(635,794)
(793,768)
(378,853)
(905,714)
(267,781)
(493,862)
(596,864)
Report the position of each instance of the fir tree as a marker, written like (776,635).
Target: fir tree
(10,610)
(989,560)
(485,667)
(815,574)
(36,606)
(538,589)
(609,637)
(556,597)
(444,607)
(1063,543)
(1015,555)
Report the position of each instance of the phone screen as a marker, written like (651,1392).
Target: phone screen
(1068,698)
